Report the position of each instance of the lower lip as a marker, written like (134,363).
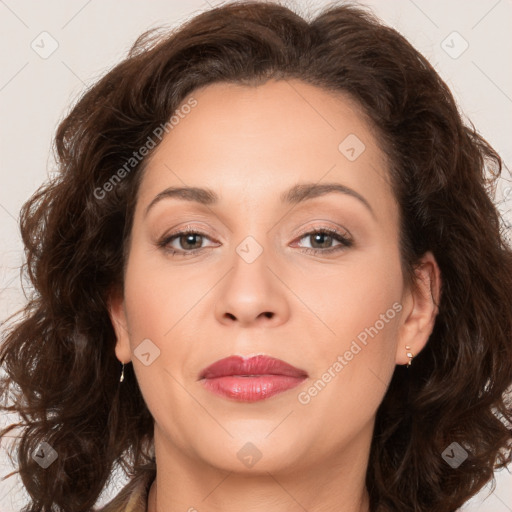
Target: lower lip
(251,389)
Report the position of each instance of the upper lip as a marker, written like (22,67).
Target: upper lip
(256,365)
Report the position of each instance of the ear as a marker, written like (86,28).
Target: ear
(117,313)
(420,309)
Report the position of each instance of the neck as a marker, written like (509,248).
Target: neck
(336,484)
(253,496)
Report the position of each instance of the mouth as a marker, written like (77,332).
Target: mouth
(250,380)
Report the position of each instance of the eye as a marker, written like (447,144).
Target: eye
(189,242)
(324,238)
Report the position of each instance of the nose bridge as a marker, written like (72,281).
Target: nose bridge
(251,292)
(251,274)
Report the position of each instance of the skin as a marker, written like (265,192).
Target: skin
(249,145)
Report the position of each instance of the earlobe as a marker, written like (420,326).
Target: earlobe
(423,306)
(117,314)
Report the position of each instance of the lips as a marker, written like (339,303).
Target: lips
(257,365)
(252,379)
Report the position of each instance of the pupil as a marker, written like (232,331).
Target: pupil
(190,239)
(320,236)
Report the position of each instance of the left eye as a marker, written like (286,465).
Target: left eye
(324,237)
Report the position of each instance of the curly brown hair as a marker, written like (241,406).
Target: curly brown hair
(62,374)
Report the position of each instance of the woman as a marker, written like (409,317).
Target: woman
(285,234)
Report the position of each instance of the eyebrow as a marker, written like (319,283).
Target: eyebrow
(296,194)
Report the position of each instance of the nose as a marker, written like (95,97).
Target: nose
(252,293)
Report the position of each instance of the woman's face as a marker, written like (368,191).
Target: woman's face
(261,282)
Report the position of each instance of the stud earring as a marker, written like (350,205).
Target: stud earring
(122,374)
(410,355)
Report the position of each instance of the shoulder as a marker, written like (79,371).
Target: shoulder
(134,496)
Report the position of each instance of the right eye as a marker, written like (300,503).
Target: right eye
(185,239)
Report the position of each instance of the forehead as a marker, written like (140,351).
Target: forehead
(256,141)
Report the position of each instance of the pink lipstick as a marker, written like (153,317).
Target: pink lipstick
(250,380)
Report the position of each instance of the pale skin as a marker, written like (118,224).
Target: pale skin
(249,145)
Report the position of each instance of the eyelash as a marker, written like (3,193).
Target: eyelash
(345,242)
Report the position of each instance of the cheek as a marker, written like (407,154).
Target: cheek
(155,303)
(352,373)
(353,365)
(157,296)
(353,297)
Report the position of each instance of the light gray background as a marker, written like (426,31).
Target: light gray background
(92,36)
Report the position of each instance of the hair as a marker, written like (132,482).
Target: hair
(59,355)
